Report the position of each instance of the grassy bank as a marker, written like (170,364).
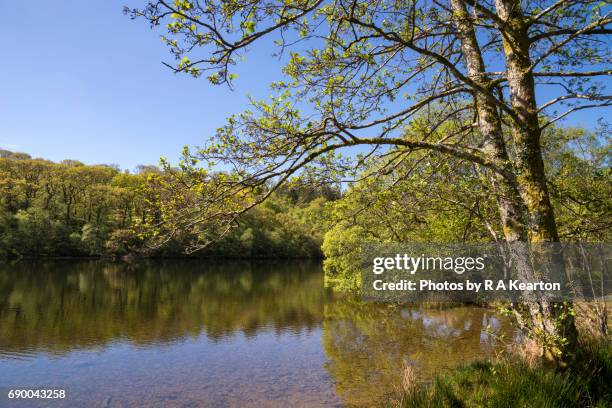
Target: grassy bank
(513,383)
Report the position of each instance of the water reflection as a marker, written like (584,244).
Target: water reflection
(62,305)
(367,343)
(166,333)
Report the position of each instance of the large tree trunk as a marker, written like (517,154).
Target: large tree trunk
(526,130)
(552,323)
(509,202)
(522,191)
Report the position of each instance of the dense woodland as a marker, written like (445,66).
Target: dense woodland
(72,209)
(392,121)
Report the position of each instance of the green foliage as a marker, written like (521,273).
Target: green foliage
(64,209)
(342,247)
(578,165)
(356,74)
(431,198)
(71,209)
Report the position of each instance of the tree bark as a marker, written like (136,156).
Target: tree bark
(524,192)
(526,131)
(552,323)
(510,207)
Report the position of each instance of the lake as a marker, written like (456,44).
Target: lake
(217,333)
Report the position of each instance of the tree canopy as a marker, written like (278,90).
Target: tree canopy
(358,72)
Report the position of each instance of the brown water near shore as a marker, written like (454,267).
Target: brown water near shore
(205,333)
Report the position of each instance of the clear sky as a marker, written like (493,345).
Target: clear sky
(80,80)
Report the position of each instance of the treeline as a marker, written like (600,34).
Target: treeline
(72,209)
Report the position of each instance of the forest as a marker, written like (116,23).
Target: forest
(69,209)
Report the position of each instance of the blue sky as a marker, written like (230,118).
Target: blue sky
(87,83)
(80,80)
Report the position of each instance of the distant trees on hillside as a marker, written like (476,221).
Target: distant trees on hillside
(72,209)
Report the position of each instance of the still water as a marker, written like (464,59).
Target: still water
(206,333)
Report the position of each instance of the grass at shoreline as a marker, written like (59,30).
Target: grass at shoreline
(512,383)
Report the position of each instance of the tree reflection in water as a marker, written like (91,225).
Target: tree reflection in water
(367,343)
(57,306)
(338,344)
